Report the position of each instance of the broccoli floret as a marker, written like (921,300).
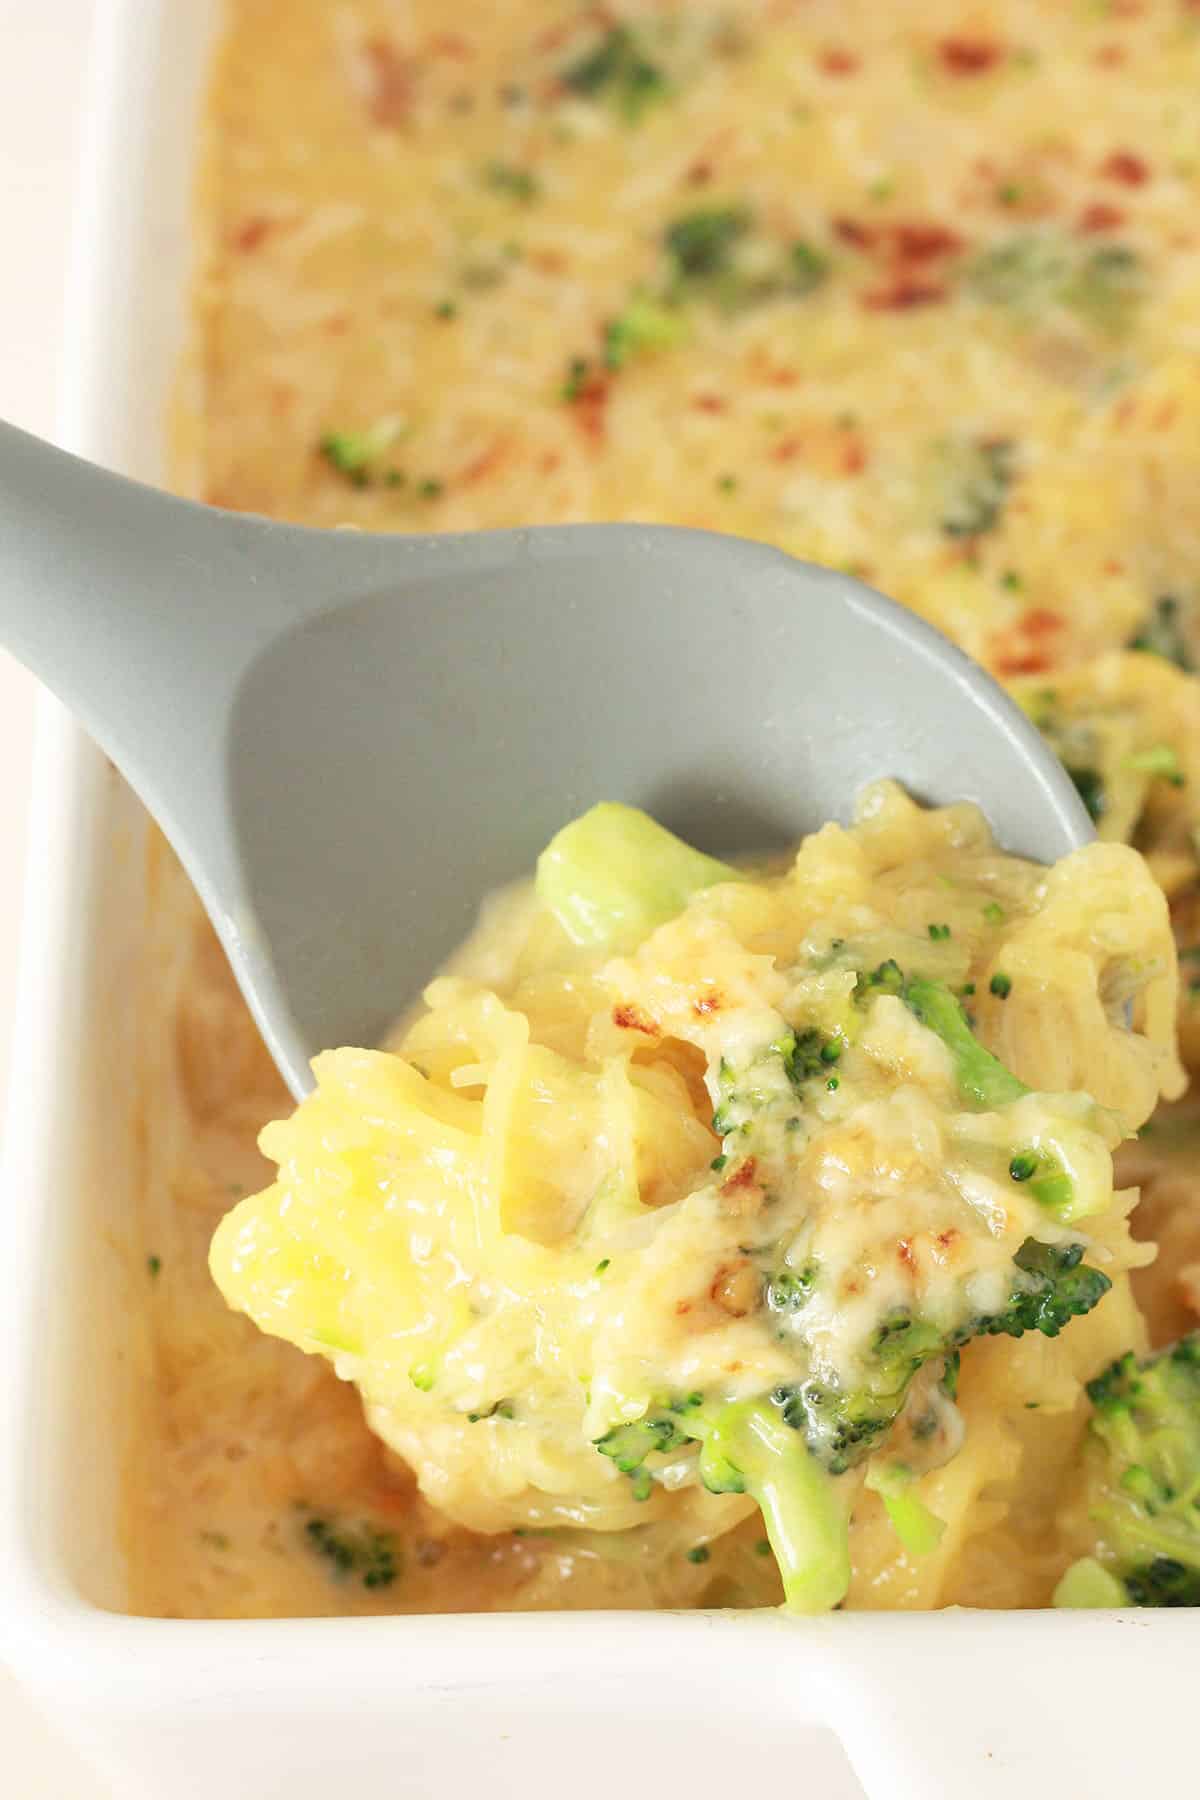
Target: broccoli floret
(1089,785)
(643,326)
(613,875)
(1160,760)
(1055,1286)
(362,1551)
(887,978)
(1162,633)
(1106,287)
(770,1084)
(511,179)
(630,1445)
(807,268)
(357,454)
(618,70)
(1142,1483)
(711,254)
(1018,273)
(790,1289)
(700,244)
(976,477)
(1101,286)
(810,1053)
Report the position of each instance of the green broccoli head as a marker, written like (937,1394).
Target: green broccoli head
(630,1445)
(1051,1285)
(1142,1483)
(356,1551)
(786,1449)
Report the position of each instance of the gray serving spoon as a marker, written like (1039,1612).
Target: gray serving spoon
(349,738)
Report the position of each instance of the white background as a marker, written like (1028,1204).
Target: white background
(43,57)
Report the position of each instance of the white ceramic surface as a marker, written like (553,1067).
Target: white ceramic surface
(41,79)
(1002,1707)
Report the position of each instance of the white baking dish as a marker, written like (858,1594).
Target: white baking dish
(1002,1707)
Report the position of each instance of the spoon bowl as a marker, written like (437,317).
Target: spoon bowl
(351,738)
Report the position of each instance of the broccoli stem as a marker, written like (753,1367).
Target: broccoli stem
(801,1507)
(919,1530)
(1088,1583)
(613,875)
(981,1076)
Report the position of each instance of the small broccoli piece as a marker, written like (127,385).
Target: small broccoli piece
(357,454)
(511,179)
(981,1076)
(1050,1286)
(1160,760)
(1089,785)
(770,1083)
(643,326)
(888,978)
(977,478)
(355,1550)
(618,70)
(1142,1483)
(1049,1182)
(842,1426)
(630,1445)
(810,1053)
(1028,273)
(1019,272)
(613,875)
(747,1447)
(1106,287)
(1162,633)
(1054,1286)
(807,268)
(790,1289)
(711,254)
(700,244)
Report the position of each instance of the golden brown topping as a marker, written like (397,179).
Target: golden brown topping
(391,82)
(838,61)
(1125,167)
(632,1018)
(737,1288)
(252,232)
(1100,216)
(969,56)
